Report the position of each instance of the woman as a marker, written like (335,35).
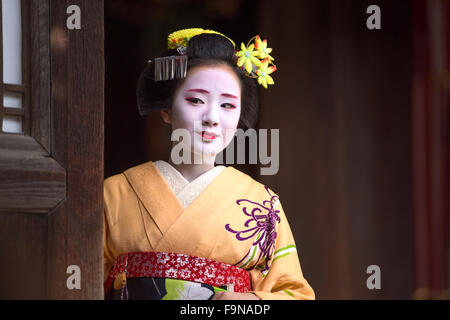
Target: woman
(186,229)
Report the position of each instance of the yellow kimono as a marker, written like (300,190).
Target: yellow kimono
(223,215)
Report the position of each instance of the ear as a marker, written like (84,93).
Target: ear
(166,115)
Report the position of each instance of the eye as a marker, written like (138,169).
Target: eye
(228,106)
(194,100)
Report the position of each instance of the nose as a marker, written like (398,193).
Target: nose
(211,116)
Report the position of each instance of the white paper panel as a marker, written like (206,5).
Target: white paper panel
(12,124)
(12,41)
(12,100)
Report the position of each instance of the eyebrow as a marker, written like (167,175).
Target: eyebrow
(198,90)
(228,95)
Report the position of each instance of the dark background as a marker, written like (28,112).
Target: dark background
(343,101)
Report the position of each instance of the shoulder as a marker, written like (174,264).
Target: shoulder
(119,199)
(251,183)
(120,182)
(114,180)
(114,185)
(118,191)
(242,176)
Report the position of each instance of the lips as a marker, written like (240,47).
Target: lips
(208,135)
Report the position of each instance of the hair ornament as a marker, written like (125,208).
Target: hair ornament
(182,37)
(172,67)
(175,67)
(254,59)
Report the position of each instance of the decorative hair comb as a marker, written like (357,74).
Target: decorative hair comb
(172,67)
(254,59)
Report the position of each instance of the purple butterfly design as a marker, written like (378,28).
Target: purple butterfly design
(262,222)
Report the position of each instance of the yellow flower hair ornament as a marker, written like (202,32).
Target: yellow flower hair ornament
(256,60)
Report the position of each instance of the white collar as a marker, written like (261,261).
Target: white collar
(186,191)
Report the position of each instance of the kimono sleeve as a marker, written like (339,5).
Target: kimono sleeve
(284,279)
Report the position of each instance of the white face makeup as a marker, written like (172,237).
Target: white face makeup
(208,106)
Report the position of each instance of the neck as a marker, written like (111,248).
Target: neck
(192,171)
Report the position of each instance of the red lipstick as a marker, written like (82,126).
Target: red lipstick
(208,135)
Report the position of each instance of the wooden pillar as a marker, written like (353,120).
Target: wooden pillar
(430,146)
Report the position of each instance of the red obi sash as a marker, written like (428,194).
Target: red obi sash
(178,266)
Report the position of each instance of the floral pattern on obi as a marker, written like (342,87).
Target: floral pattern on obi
(261,226)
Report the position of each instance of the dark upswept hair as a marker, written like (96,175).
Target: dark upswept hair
(206,49)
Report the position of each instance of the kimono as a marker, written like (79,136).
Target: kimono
(223,215)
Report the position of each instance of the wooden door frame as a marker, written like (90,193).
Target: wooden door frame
(75,237)
(57,170)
